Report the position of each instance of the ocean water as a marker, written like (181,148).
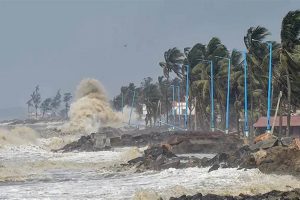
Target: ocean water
(31,171)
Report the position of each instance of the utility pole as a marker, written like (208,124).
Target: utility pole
(277,107)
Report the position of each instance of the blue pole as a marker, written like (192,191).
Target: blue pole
(212,120)
(178,93)
(186,96)
(246,129)
(228,95)
(131,106)
(173,99)
(269,88)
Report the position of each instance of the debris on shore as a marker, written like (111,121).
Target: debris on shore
(270,155)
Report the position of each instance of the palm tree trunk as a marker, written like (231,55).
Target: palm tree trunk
(280,120)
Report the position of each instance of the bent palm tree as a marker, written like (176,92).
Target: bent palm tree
(173,60)
(289,57)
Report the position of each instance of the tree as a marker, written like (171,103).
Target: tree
(67,99)
(150,96)
(257,73)
(56,101)
(36,99)
(46,106)
(289,58)
(200,78)
(29,105)
(173,60)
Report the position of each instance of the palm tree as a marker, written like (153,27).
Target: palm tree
(173,60)
(237,85)
(289,57)
(200,77)
(29,105)
(256,52)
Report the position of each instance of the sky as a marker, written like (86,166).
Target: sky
(55,44)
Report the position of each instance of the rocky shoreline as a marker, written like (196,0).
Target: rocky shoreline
(277,159)
(181,141)
(273,195)
(269,154)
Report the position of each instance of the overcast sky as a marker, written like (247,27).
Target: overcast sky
(57,43)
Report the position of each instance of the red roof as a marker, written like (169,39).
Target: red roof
(262,121)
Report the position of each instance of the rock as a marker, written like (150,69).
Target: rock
(136,160)
(156,151)
(204,142)
(286,141)
(281,160)
(156,158)
(93,142)
(265,144)
(170,164)
(272,195)
(214,167)
(259,156)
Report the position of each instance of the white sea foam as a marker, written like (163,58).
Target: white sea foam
(90,175)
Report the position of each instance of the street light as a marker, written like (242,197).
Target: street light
(186,96)
(228,94)
(179,102)
(269,85)
(173,99)
(246,127)
(212,119)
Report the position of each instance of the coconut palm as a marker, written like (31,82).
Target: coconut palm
(173,60)
(289,58)
(257,73)
(200,77)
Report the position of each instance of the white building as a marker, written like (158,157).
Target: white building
(179,108)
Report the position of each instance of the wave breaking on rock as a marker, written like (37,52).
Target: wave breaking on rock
(91,109)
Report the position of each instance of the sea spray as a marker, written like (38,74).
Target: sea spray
(17,136)
(91,109)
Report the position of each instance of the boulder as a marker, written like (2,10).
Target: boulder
(214,167)
(260,156)
(92,142)
(156,158)
(264,144)
(286,141)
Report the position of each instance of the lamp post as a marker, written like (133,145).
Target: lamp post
(246,127)
(179,102)
(212,118)
(228,94)
(186,96)
(173,99)
(269,85)
(132,103)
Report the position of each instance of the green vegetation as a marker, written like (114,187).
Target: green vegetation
(286,77)
(49,107)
